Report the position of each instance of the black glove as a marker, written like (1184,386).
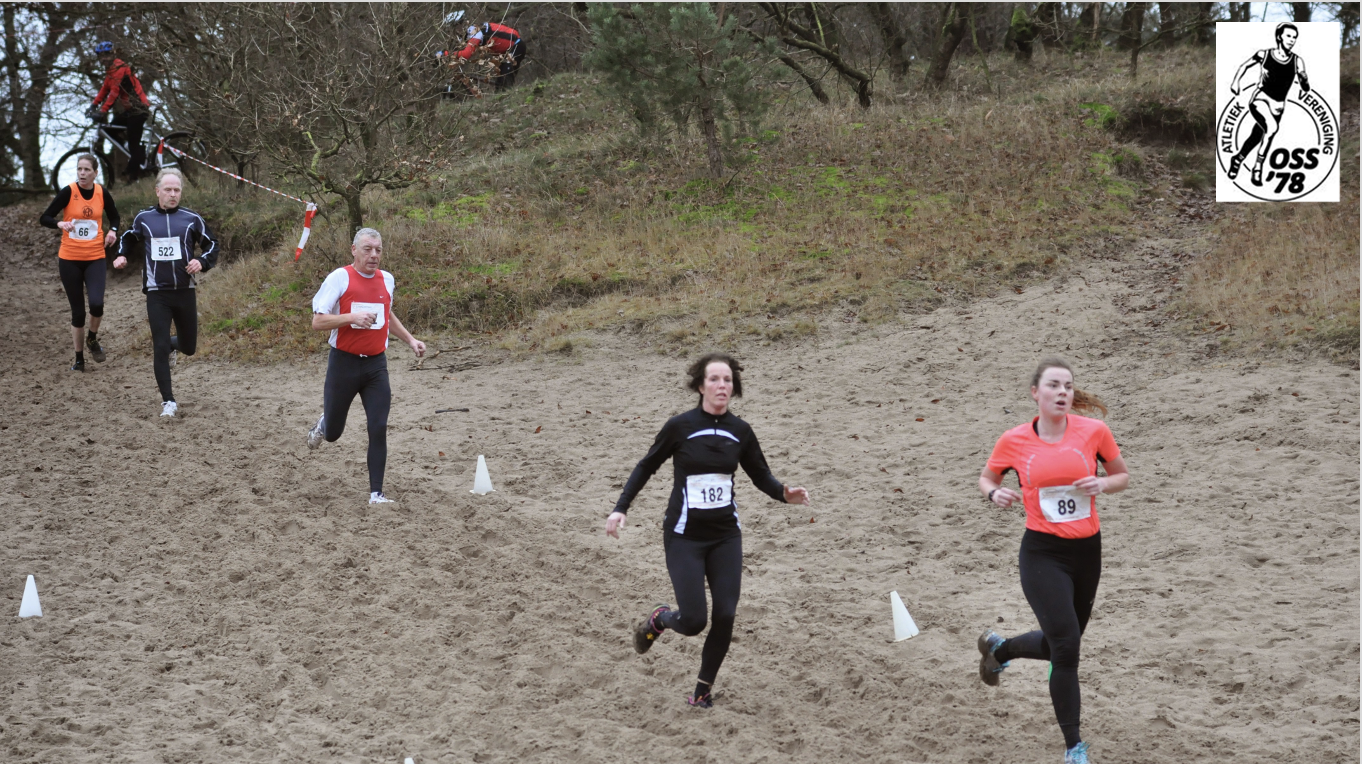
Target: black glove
(95,114)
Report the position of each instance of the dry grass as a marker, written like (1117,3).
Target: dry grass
(562,221)
(1286,276)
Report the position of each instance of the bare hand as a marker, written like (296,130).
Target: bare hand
(109,239)
(418,347)
(1004,497)
(193,266)
(66,225)
(796,495)
(615,523)
(120,261)
(1090,486)
(363,320)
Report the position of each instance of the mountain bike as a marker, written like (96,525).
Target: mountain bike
(106,142)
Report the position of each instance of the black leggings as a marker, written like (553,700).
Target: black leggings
(1059,578)
(79,278)
(348,375)
(180,306)
(134,120)
(690,562)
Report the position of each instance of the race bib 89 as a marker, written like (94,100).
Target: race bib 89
(166,249)
(1064,504)
(710,491)
(84,230)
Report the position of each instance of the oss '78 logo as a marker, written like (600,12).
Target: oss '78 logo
(1276,137)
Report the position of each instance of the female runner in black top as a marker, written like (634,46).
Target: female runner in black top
(701,535)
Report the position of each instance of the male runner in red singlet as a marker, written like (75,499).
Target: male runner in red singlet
(355,305)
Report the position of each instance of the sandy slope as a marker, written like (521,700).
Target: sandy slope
(216,593)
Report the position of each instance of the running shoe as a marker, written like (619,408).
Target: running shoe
(169,408)
(316,435)
(96,352)
(79,365)
(1077,755)
(377,497)
(707,701)
(1235,163)
(989,667)
(647,632)
(1257,176)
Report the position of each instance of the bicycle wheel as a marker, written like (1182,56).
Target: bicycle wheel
(57,166)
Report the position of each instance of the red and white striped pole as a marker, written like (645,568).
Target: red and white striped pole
(307,230)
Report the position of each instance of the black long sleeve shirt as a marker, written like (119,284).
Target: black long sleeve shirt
(705,451)
(166,239)
(57,209)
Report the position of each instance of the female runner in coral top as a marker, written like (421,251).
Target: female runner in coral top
(1055,456)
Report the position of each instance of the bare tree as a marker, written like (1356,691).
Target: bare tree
(813,28)
(37,35)
(894,39)
(1132,26)
(1300,11)
(338,97)
(954,24)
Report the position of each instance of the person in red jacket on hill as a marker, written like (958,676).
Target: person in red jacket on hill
(495,39)
(122,93)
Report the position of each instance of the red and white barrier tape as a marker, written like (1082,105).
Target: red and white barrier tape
(307,217)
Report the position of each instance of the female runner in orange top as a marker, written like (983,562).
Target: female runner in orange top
(1055,457)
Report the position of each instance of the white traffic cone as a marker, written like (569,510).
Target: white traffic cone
(904,628)
(482,482)
(30,606)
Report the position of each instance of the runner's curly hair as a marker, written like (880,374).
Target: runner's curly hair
(1084,402)
(697,372)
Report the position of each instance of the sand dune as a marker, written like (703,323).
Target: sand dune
(214,592)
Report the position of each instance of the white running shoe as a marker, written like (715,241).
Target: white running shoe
(377,497)
(169,408)
(316,435)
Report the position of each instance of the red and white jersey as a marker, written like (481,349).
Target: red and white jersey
(346,290)
(1048,470)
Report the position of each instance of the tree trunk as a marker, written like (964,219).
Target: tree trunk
(1169,17)
(1300,11)
(894,40)
(1204,25)
(953,27)
(712,149)
(1240,12)
(353,208)
(1023,34)
(1132,27)
(1046,21)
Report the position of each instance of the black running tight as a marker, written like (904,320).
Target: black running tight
(348,375)
(80,278)
(690,563)
(163,307)
(1059,578)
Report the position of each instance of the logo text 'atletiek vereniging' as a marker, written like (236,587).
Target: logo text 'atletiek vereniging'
(1277,133)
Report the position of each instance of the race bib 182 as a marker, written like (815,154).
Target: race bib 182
(1064,504)
(710,491)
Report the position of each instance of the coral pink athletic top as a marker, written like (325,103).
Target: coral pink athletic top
(1047,470)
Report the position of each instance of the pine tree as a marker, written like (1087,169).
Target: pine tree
(680,60)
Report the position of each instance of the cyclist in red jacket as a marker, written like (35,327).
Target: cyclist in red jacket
(122,93)
(495,39)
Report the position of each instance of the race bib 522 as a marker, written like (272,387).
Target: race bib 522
(166,249)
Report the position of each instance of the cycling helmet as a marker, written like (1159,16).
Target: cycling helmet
(104,47)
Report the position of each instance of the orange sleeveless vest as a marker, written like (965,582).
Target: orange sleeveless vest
(86,240)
